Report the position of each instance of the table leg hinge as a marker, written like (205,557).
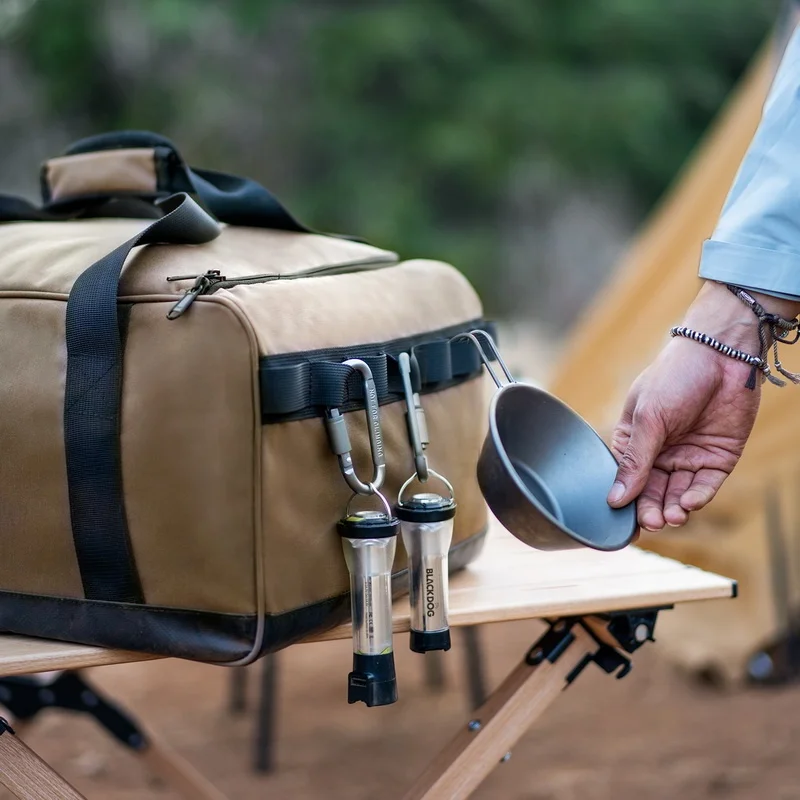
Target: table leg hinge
(554,642)
(611,661)
(632,629)
(628,631)
(25,697)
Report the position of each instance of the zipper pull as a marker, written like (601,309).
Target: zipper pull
(200,286)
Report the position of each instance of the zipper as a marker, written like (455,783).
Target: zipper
(201,285)
(213,280)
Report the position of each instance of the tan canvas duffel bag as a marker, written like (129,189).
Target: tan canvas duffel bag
(166,479)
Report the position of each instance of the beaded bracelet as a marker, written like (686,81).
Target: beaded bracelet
(756,362)
(770,326)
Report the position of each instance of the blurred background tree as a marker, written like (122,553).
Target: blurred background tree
(522,140)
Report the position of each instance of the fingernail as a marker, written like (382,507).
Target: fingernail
(616,493)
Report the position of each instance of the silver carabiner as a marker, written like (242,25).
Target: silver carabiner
(415,419)
(387,509)
(340,438)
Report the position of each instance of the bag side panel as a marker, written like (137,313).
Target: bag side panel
(36,549)
(188,457)
(304,494)
(189,440)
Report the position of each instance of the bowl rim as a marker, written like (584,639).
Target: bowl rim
(514,475)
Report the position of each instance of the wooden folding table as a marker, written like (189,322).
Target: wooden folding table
(600,607)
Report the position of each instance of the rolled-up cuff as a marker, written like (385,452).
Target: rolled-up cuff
(769,271)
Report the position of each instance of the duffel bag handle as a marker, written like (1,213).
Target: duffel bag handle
(147,166)
(125,173)
(116,140)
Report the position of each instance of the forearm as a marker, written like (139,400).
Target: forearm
(719,313)
(756,243)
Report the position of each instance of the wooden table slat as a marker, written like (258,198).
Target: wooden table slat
(509,581)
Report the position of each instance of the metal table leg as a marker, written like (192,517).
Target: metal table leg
(267,715)
(434,670)
(238,690)
(475,667)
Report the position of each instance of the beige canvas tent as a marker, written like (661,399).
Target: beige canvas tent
(619,335)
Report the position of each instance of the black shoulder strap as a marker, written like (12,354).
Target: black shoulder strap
(17,209)
(240,201)
(92,406)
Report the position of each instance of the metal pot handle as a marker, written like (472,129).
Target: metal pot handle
(473,337)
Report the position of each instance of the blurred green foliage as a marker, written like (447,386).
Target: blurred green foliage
(404,122)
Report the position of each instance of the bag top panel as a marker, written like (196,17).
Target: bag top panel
(376,306)
(49,256)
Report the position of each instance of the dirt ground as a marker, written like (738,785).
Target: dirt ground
(654,734)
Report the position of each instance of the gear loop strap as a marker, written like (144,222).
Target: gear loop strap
(313,383)
(92,402)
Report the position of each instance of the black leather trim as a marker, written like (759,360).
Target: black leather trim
(180,633)
(196,635)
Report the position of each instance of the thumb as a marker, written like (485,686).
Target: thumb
(644,445)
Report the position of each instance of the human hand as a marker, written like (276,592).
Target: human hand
(688,416)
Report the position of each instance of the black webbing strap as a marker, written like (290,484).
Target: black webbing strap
(17,209)
(92,407)
(241,201)
(307,384)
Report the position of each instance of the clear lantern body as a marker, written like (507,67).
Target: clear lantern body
(369,562)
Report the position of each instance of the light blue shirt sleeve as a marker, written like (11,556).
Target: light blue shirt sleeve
(756,243)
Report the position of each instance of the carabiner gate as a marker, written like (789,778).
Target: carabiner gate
(415,417)
(340,438)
